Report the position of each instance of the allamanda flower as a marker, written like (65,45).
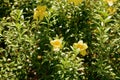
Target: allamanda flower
(76,2)
(82,46)
(57,44)
(40,13)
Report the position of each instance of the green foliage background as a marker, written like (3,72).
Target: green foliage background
(26,53)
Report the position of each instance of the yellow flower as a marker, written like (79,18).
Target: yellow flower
(40,13)
(111,10)
(76,2)
(57,44)
(110,2)
(82,46)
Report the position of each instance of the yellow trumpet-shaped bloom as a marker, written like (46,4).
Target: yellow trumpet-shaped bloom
(57,44)
(110,2)
(40,13)
(76,2)
(82,46)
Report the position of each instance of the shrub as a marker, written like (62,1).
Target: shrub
(60,40)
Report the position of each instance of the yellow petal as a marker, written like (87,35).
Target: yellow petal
(77,2)
(36,15)
(75,45)
(83,53)
(40,13)
(41,8)
(80,45)
(56,43)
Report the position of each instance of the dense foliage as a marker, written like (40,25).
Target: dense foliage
(60,40)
